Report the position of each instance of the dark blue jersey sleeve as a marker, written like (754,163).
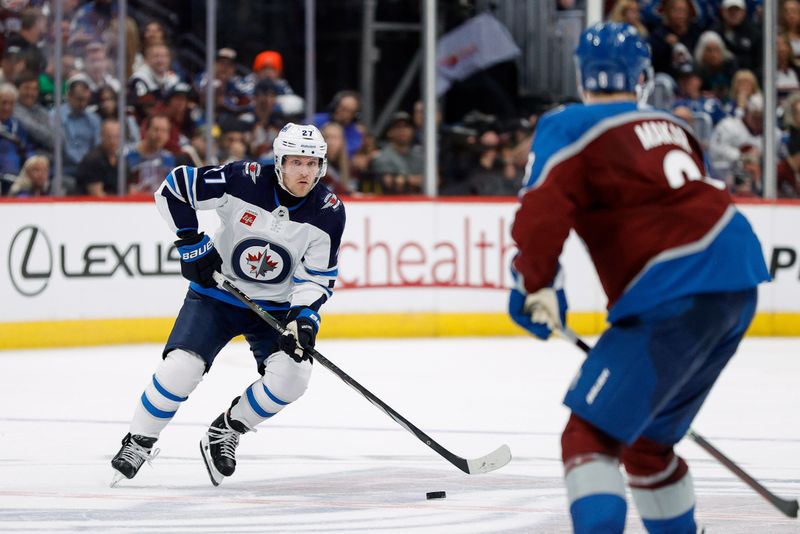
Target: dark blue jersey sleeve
(187,189)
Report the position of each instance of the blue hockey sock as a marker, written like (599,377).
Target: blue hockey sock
(683,524)
(599,514)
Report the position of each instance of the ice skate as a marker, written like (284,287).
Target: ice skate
(135,451)
(218,446)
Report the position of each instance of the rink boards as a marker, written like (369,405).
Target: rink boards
(95,272)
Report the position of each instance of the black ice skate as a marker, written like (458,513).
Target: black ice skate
(218,446)
(135,451)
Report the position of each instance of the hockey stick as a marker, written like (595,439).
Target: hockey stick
(787,507)
(484,464)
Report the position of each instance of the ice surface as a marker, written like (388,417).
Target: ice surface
(333,463)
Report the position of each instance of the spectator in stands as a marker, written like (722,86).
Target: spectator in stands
(90,22)
(81,127)
(733,133)
(360,164)
(97,68)
(232,140)
(689,94)
(741,36)
(194,152)
(107,107)
(684,113)
(787,73)
(788,175)
(628,11)
(677,26)
(790,111)
(230,84)
(745,175)
(495,173)
(149,161)
(338,176)
(97,172)
(344,110)
(266,119)
(789,24)
(743,86)
(399,166)
(715,63)
(33,179)
(14,145)
(32,115)
(12,64)
(150,83)
(33,29)
(132,44)
(269,65)
(177,109)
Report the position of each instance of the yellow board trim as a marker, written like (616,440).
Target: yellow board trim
(42,334)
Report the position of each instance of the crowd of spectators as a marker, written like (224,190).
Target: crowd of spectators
(707,56)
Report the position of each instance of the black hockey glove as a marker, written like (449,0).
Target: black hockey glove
(199,258)
(301,333)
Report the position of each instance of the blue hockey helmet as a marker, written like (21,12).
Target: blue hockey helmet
(611,57)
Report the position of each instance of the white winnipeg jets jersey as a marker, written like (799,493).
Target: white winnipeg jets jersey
(281,256)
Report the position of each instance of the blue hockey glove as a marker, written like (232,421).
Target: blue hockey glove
(540,312)
(301,333)
(199,258)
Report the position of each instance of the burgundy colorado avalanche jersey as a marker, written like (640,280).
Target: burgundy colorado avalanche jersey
(632,183)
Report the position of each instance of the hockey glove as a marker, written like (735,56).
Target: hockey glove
(540,312)
(199,258)
(300,334)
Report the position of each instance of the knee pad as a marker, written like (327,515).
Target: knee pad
(285,378)
(180,372)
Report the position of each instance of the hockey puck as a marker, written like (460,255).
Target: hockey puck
(435,495)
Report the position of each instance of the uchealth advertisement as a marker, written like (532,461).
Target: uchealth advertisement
(79,262)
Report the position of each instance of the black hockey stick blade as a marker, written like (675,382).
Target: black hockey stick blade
(787,507)
(485,464)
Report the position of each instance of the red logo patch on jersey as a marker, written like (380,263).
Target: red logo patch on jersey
(331,201)
(248,218)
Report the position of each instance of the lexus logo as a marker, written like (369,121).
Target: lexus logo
(30,261)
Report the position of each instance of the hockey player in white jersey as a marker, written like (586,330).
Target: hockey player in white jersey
(278,241)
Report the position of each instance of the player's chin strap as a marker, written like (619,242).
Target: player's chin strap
(787,507)
(494,460)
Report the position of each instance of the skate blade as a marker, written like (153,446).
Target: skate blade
(116,479)
(215,476)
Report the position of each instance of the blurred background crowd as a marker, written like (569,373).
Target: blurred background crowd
(707,56)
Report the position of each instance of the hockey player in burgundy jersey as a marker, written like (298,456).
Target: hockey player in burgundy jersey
(679,265)
(279,240)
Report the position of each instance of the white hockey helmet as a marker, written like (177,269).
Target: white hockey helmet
(299,140)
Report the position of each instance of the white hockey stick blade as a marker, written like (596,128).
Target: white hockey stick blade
(492,461)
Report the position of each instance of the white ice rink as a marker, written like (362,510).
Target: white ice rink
(333,463)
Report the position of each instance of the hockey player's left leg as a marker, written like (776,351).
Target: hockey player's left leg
(661,486)
(284,381)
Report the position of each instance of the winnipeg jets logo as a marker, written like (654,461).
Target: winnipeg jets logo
(252,169)
(260,261)
(331,201)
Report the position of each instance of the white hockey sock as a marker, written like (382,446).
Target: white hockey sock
(176,377)
(284,381)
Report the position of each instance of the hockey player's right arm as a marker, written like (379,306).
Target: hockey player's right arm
(185,190)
